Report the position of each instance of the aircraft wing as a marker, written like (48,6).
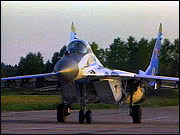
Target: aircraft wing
(152,77)
(97,71)
(113,74)
(29,76)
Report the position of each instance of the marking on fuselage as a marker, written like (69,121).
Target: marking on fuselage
(114,73)
(106,74)
(92,72)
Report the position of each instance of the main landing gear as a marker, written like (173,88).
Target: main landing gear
(136,114)
(63,110)
(135,111)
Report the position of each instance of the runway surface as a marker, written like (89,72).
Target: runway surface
(155,120)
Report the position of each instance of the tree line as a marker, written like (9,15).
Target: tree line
(130,55)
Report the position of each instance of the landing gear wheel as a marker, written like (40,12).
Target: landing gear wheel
(81,116)
(89,117)
(61,117)
(136,114)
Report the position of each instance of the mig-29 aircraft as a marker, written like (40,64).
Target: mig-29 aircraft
(82,78)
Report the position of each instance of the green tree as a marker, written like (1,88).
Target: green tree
(117,55)
(132,52)
(48,67)
(57,55)
(173,66)
(165,57)
(100,54)
(55,58)
(143,54)
(94,48)
(8,70)
(3,70)
(31,64)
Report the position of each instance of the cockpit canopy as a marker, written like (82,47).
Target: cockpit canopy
(77,47)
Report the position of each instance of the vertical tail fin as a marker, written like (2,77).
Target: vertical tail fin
(153,66)
(73,32)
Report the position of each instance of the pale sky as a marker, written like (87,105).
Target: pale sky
(32,26)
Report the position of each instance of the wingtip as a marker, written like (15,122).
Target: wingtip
(160,28)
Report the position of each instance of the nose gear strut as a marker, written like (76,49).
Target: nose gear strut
(81,86)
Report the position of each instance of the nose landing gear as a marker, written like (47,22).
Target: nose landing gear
(63,110)
(82,115)
(87,116)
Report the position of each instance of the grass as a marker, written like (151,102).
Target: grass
(163,97)
(96,106)
(24,103)
(26,91)
(160,101)
(22,99)
(40,102)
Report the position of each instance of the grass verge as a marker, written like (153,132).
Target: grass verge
(96,106)
(163,97)
(11,101)
(27,103)
(160,101)
(26,91)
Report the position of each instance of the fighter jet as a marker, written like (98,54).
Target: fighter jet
(83,79)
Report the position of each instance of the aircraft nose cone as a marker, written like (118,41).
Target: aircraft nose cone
(68,68)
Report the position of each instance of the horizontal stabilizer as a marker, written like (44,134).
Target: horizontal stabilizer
(152,83)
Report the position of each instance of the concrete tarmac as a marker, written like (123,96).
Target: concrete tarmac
(155,120)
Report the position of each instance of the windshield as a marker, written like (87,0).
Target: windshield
(77,47)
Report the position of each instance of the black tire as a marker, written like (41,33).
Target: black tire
(61,113)
(89,117)
(136,114)
(81,117)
